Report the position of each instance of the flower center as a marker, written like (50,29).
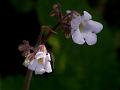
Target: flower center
(81,27)
(40,61)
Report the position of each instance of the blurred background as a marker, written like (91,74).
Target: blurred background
(77,67)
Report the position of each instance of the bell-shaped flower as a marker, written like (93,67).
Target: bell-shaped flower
(83,29)
(41,63)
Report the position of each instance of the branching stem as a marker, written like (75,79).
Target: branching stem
(29,72)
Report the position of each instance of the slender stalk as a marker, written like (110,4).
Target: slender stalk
(27,80)
(54,28)
(50,33)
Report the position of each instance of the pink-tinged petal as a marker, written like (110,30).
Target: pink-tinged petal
(33,65)
(86,16)
(78,37)
(90,38)
(39,55)
(94,26)
(48,67)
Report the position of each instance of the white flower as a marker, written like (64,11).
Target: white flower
(41,63)
(83,29)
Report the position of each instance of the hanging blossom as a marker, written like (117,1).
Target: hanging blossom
(40,63)
(83,29)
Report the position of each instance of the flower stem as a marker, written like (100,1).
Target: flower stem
(27,80)
(54,28)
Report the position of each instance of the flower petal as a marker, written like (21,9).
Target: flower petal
(96,27)
(39,55)
(26,62)
(78,37)
(48,58)
(90,38)
(86,16)
(33,65)
(75,22)
(39,69)
(48,67)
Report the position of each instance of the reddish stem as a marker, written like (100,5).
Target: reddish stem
(27,80)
